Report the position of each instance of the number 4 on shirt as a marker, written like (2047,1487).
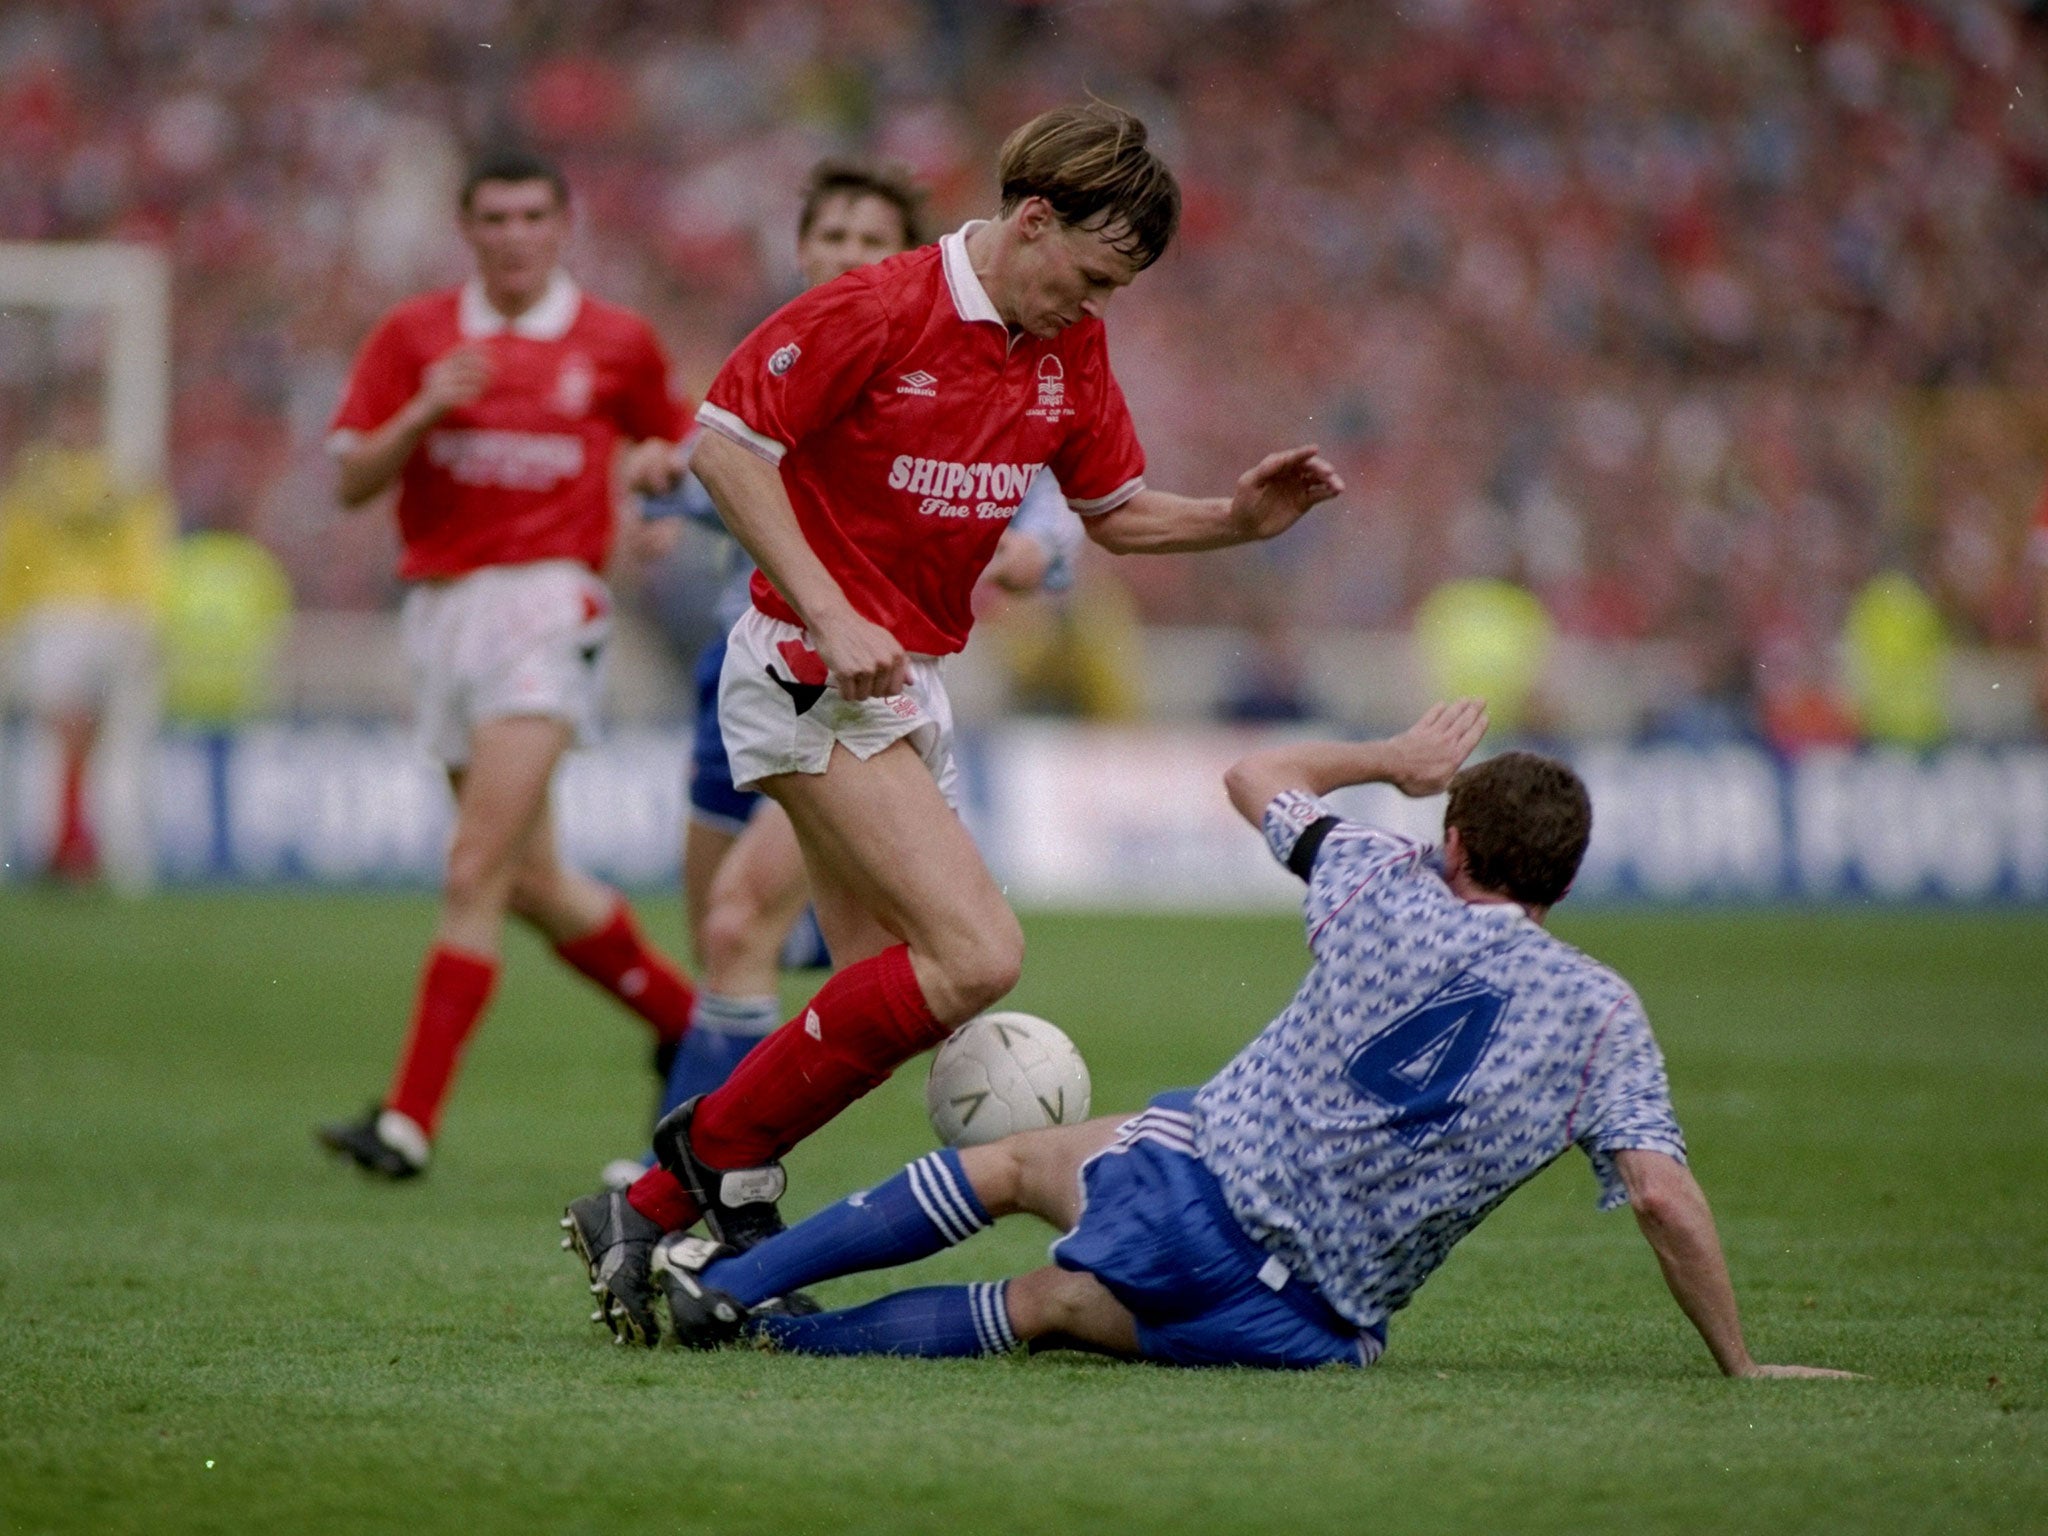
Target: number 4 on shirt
(1417,1064)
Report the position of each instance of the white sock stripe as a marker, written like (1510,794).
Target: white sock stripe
(979,1314)
(933,1212)
(958,1199)
(991,1316)
(931,1199)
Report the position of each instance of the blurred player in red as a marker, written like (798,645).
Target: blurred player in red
(498,409)
(2037,557)
(869,444)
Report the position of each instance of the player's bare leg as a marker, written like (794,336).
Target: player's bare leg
(940,1200)
(1070,1308)
(1038,1171)
(559,902)
(593,932)
(500,799)
(926,941)
(704,851)
(885,835)
(752,901)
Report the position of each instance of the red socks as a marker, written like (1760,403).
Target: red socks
(659,1196)
(860,1027)
(73,855)
(618,959)
(454,987)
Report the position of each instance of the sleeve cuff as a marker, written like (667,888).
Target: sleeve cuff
(1095,506)
(726,424)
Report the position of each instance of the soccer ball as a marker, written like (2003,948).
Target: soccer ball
(1001,1073)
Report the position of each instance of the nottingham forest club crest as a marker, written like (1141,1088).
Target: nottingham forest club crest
(1051,404)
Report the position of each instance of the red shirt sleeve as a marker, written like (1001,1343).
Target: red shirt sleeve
(802,368)
(648,405)
(1101,464)
(386,375)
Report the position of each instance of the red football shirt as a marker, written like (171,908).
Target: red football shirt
(523,473)
(908,421)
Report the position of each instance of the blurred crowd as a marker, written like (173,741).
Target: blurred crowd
(1688,315)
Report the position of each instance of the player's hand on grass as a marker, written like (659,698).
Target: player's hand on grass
(1758,1371)
(1274,493)
(864,659)
(1423,758)
(457,377)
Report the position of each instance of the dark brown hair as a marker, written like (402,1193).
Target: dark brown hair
(1092,165)
(1524,821)
(508,162)
(893,184)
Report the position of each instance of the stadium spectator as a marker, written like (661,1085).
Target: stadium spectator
(1443,1050)
(1636,305)
(869,444)
(497,410)
(82,569)
(743,873)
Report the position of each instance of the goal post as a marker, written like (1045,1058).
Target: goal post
(118,294)
(130,286)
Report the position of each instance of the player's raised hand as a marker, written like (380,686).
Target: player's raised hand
(1425,756)
(864,659)
(654,467)
(457,377)
(1274,493)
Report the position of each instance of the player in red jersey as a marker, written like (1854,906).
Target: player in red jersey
(2037,557)
(498,409)
(868,444)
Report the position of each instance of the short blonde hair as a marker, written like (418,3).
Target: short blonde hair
(1092,164)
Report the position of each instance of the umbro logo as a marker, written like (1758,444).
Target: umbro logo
(918,383)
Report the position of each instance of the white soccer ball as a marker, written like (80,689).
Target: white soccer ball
(1002,1073)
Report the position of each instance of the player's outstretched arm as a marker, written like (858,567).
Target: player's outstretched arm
(1671,1209)
(1419,761)
(864,659)
(1270,498)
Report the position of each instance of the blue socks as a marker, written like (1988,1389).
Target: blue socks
(722,1030)
(933,1322)
(926,1207)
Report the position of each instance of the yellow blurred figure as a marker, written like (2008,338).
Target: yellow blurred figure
(1895,649)
(1485,638)
(228,606)
(82,564)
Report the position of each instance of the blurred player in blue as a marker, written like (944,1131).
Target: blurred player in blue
(1443,1050)
(744,891)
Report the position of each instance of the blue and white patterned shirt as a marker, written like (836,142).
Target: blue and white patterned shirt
(1439,1054)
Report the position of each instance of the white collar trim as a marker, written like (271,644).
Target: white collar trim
(548,320)
(970,299)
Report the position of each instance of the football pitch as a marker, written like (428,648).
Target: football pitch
(205,1325)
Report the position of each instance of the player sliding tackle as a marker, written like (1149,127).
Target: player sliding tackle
(868,445)
(1442,1051)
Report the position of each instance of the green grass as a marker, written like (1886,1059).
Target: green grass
(206,1327)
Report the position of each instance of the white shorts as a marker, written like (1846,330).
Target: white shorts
(774,721)
(74,656)
(506,640)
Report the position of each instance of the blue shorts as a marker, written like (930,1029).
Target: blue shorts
(713,799)
(1155,1230)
